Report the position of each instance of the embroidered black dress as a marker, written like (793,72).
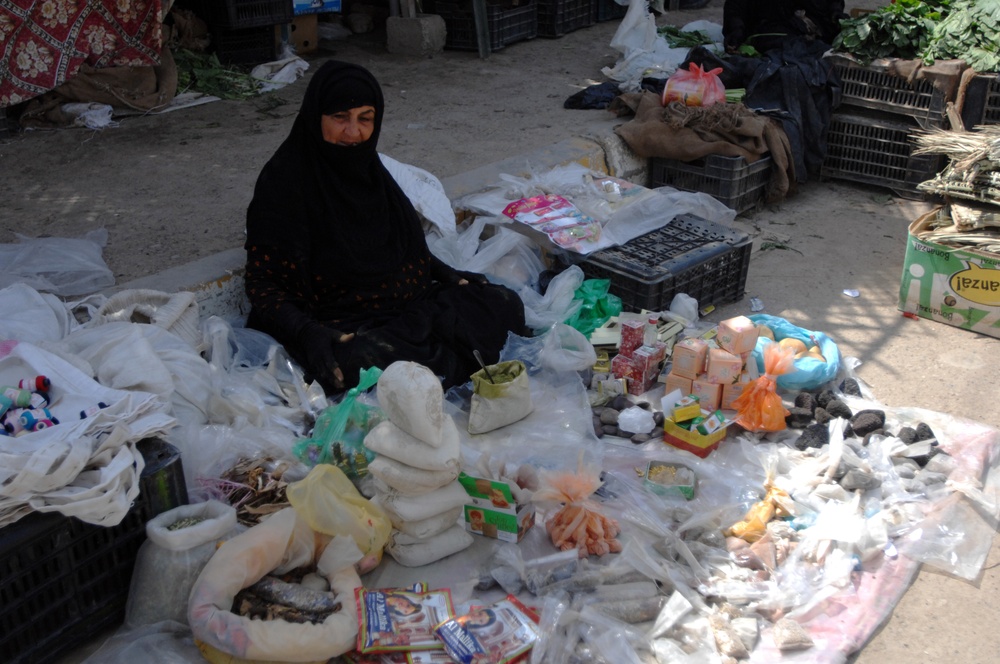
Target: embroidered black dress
(332,240)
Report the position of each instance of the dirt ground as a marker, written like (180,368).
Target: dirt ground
(174,187)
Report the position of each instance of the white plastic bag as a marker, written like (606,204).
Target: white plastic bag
(33,316)
(67,267)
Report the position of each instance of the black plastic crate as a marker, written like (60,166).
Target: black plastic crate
(250,46)
(508,23)
(877,151)
(733,181)
(558,17)
(608,10)
(62,580)
(982,101)
(235,14)
(704,259)
(875,87)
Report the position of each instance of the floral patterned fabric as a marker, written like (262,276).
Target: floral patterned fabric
(43,43)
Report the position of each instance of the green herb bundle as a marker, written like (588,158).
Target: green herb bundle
(202,72)
(677,38)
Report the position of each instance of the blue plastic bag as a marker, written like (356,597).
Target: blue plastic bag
(810,373)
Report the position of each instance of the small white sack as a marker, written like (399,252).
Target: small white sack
(409,480)
(428,527)
(411,552)
(389,440)
(416,508)
(413,399)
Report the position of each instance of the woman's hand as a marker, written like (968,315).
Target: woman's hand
(317,342)
(465,278)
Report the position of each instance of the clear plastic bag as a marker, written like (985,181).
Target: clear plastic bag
(172,558)
(67,267)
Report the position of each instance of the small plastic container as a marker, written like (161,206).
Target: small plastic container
(671,480)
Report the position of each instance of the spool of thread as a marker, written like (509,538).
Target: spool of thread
(20,398)
(35,384)
(90,412)
(32,419)
(12,421)
(5,404)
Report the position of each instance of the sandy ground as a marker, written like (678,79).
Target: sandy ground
(172,188)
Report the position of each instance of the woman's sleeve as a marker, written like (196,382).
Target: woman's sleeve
(276,289)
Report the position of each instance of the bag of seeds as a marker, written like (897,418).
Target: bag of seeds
(501,395)
(180,542)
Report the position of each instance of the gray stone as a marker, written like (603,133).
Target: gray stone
(859,479)
(423,34)
(609,416)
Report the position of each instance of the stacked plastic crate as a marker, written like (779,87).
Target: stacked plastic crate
(509,21)
(870,134)
(243,30)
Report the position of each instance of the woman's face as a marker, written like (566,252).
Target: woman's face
(400,604)
(351,127)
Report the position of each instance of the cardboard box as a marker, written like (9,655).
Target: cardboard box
(709,393)
(960,287)
(689,357)
(737,335)
(315,6)
(305,34)
(492,510)
(672,381)
(723,367)
(692,441)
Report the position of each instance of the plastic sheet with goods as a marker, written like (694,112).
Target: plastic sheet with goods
(877,150)
(733,181)
(703,259)
(63,580)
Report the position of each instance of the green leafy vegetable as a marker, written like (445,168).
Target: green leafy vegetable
(202,72)
(970,32)
(677,38)
(901,29)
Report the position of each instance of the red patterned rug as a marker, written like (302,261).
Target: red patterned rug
(43,43)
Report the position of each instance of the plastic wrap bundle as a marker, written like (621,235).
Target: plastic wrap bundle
(418,458)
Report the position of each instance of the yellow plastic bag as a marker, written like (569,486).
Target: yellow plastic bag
(330,503)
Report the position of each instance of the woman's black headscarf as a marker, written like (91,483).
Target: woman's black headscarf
(352,219)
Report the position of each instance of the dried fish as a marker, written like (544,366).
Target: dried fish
(253,486)
(304,599)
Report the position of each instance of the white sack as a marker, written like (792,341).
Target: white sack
(413,399)
(407,479)
(411,552)
(389,440)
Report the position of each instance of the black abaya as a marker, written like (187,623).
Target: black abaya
(332,239)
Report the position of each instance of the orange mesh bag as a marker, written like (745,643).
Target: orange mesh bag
(759,408)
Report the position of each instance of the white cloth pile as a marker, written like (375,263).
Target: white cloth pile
(416,467)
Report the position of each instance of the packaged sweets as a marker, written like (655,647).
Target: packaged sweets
(400,620)
(495,634)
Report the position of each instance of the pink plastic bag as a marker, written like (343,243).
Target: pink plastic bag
(695,87)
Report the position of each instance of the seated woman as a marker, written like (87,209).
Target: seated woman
(338,269)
